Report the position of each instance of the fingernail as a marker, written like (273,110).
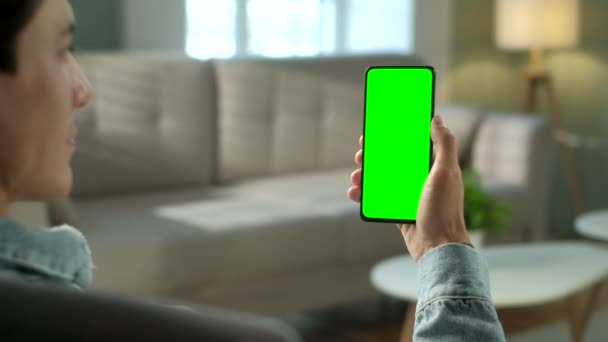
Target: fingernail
(439,120)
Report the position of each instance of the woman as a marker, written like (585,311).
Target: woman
(41,86)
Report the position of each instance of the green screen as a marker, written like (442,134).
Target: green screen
(397,141)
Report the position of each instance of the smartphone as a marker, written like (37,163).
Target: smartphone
(397,147)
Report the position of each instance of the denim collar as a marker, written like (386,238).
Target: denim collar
(60,253)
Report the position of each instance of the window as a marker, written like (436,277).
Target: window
(294,30)
(373,27)
(211,28)
(281,28)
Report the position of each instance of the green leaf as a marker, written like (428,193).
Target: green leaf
(481,210)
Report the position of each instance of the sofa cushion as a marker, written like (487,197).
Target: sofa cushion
(151,124)
(297,135)
(246,97)
(342,123)
(127,93)
(311,194)
(183,240)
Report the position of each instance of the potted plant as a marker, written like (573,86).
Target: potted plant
(482,212)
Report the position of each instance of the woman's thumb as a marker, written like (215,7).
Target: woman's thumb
(444,143)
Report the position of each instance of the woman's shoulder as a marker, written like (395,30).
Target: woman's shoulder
(58,254)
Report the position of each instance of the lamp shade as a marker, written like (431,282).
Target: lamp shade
(537,24)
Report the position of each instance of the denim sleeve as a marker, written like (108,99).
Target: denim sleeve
(454,301)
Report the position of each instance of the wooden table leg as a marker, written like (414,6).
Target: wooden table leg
(407,332)
(580,317)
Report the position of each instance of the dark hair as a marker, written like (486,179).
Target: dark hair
(14,17)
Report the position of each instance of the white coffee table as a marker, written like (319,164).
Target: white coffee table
(593,225)
(521,275)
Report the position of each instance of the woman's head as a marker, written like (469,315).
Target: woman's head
(40,87)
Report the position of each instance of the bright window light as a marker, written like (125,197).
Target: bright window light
(211,28)
(328,26)
(380,26)
(284,28)
(280,28)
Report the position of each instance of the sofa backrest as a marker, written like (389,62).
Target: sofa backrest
(509,144)
(151,124)
(517,150)
(164,121)
(291,115)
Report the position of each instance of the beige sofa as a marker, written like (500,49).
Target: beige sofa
(224,182)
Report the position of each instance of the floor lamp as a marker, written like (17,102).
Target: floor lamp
(538,25)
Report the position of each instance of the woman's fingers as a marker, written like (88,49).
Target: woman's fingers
(354,194)
(355,177)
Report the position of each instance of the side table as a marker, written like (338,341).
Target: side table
(593,225)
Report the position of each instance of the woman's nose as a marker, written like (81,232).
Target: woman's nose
(82,91)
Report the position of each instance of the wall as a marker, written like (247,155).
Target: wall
(432,40)
(482,74)
(99,24)
(154,25)
(160,25)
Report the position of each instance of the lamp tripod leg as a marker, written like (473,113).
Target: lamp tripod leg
(567,155)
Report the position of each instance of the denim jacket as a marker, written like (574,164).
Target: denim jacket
(454,302)
(55,256)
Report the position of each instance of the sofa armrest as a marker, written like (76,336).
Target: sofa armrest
(62,212)
(517,150)
(42,215)
(33,214)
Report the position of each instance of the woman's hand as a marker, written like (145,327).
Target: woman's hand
(440,213)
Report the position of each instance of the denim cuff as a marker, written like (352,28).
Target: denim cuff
(452,271)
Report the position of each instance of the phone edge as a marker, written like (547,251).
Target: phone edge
(434,85)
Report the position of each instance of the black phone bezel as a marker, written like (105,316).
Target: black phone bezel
(427,67)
